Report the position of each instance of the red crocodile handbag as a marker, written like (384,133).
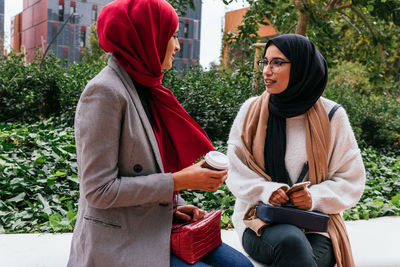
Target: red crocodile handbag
(191,241)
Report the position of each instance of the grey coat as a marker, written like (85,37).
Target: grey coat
(125,205)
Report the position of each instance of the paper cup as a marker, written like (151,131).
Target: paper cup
(216,161)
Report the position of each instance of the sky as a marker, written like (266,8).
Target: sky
(212,23)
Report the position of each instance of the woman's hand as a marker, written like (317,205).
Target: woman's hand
(196,177)
(278,197)
(301,199)
(188,213)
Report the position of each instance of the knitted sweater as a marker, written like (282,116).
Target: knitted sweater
(346,174)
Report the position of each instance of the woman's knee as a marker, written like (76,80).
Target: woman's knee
(292,238)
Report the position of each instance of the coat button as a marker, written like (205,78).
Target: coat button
(137,168)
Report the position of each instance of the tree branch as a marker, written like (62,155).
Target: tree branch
(332,4)
(304,16)
(371,29)
(344,7)
(351,24)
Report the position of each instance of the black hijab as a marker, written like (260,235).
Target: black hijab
(308,78)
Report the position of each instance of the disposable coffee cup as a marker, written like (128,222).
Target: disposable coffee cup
(215,160)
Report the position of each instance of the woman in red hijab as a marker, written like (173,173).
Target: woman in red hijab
(136,146)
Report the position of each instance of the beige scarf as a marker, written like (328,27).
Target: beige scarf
(317,146)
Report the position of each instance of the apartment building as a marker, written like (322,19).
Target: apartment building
(61,24)
(64,26)
(233,19)
(2,26)
(189,37)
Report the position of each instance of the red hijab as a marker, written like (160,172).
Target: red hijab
(137,33)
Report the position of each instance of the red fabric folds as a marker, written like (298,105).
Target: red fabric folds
(137,33)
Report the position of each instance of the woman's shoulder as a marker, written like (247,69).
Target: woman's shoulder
(106,77)
(245,106)
(105,81)
(340,120)
(330,104)
(239,120)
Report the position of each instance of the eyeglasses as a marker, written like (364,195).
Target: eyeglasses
(275,64)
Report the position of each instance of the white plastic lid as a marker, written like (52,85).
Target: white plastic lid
(217,160)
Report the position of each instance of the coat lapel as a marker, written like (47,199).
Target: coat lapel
(130,88)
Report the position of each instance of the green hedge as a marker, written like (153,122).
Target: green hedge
(211,97)
(38,177)
(375,118)
(31,92)
(39,186)
(38,182)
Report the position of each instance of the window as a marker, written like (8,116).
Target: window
(82,37)
(94,13)
(196,29)
(72,11)
(54,28)
(181,50)
(186,29)
(65,53)
(61,10)
(190,49)
(181,28)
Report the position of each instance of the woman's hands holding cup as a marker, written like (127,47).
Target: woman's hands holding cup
(196,177)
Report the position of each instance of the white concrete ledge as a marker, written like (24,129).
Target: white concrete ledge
(375,243)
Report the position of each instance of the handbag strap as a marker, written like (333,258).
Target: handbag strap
(333,110)
(305,166)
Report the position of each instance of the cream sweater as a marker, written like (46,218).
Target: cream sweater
(346,174)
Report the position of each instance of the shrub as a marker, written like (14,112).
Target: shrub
(30,92)
(374,118)
(39,186)
(212,97)
(38,178)
(382,190)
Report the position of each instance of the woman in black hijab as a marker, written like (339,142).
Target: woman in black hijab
(283,137)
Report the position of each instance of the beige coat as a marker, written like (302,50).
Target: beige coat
(125,206)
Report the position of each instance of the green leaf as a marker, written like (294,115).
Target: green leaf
(17,198)
(55,220)
(60,172)
(396,200)
(71,215)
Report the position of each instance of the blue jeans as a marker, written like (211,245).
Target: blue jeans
(286,245)
(223,255)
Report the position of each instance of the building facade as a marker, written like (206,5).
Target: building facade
(2,37)
(63,27)
(233,19)
(61,24)
(189,37)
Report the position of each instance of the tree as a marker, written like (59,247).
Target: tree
(373,26)
(94,53)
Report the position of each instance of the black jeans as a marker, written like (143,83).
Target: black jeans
(286,245)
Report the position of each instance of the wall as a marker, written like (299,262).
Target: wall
(16,32)
(233,19)
(2,26)
(68,44)
(33,27)
(189,37)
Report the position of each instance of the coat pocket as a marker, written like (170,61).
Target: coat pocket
(100,222)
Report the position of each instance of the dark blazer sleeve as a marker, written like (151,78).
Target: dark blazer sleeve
(99,138)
